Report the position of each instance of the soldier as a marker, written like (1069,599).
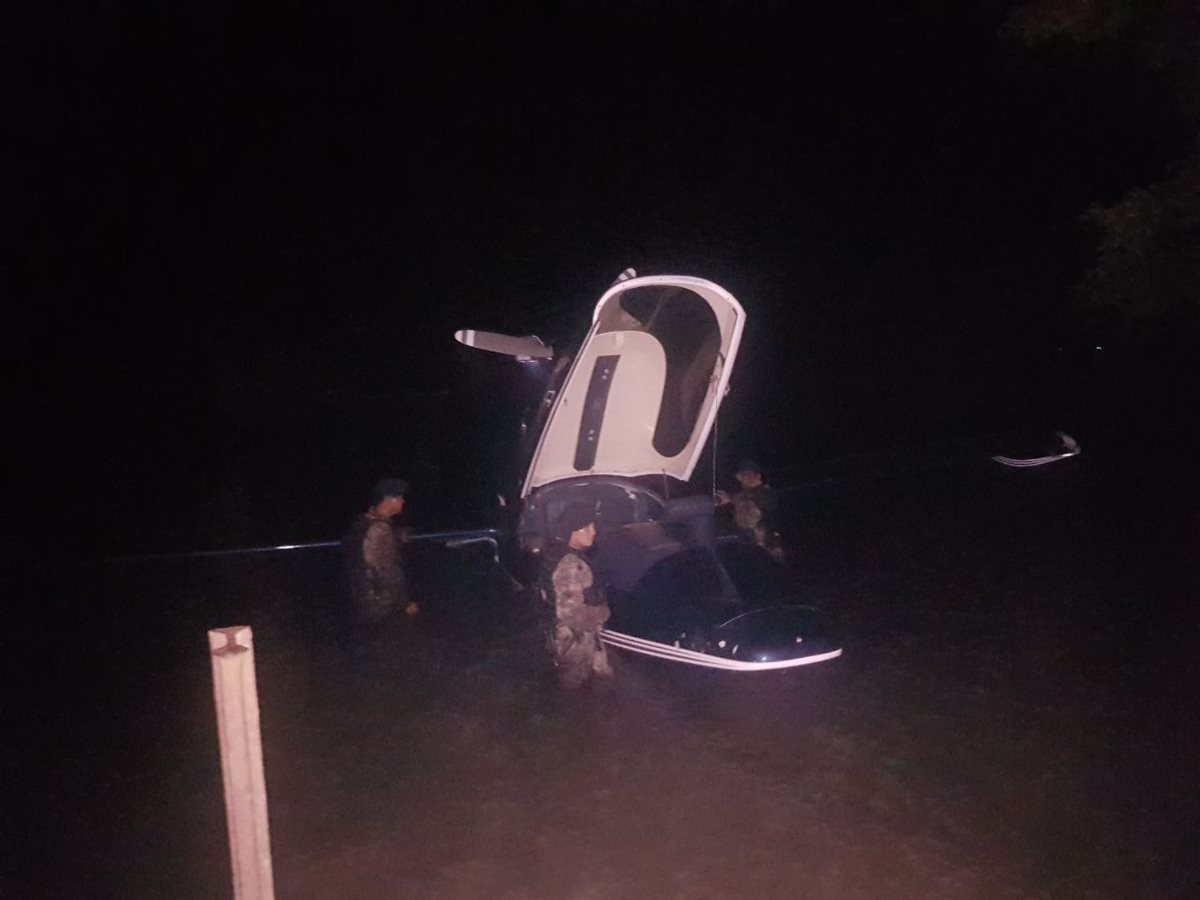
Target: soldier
(580,611)
(753,507)
(375,560)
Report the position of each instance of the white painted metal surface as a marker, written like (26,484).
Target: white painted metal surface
(1070,448)
(695,658)
(235,692)
(523,348)
(625,439)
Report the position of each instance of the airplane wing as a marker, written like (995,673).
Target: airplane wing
(1070,448)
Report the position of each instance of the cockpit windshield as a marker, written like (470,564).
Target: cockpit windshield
(643,391)
(684,324)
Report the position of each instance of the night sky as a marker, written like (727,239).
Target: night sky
(245,239)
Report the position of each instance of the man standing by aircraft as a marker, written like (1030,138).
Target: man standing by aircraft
(568,584)
(374,556)
(753,507)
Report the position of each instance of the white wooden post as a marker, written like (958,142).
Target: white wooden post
(236,694)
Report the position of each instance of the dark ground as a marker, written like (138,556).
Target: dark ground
(1014,716)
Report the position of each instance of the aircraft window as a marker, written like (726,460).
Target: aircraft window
(690,335)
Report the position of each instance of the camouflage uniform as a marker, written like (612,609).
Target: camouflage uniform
(580,612)
(377,583)
(753,510)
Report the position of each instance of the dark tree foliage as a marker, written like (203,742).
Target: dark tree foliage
(1143,286)
(1145,281)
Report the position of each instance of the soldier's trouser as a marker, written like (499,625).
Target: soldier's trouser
(769,541)
(373,607)
(578,655)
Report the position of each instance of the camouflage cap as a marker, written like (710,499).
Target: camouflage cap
(389,487)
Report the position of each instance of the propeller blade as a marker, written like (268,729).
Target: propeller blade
(523,348)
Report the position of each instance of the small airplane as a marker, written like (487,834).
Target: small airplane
(621,426)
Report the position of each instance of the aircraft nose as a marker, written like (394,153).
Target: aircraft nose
(773,634)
